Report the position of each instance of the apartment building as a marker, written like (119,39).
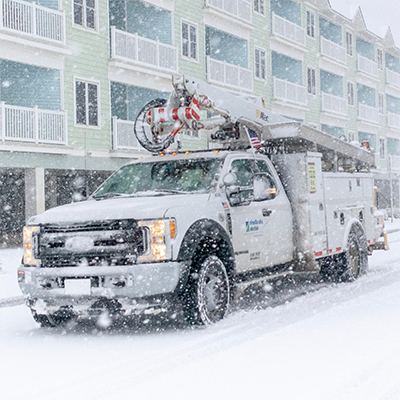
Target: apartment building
(75,73)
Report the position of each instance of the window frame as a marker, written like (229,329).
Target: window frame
(311,88)
(381,103)
(260,50)
(379,58)
(310,24)
(349,44)
(350,94)
(382,152)
(87,82)
(259,2)
(189,24)
(84,16)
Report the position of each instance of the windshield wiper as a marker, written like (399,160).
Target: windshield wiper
(109,195)
(171,191)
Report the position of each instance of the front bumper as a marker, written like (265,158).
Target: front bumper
(133,287)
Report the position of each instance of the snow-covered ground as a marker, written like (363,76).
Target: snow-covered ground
(314,342)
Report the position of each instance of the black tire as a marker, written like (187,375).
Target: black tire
(51,320)
(207,297)
(349,265)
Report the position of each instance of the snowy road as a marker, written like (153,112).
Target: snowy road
(317,342)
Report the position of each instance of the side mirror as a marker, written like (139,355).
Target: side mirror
(264,187)
(230,179)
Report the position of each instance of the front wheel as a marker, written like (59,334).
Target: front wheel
(207,297)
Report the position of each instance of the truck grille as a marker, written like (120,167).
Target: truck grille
(93,243)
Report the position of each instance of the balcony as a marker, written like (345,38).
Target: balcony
(229,75)
(333,51)
(290,92)
(368,113)
(334,104)
(134,49)
(31,20)
(288,30)
(393,78)
(393,120)
(124,137)
(235,8)
(32,125)
(367,66)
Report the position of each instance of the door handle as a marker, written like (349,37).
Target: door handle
(266,212)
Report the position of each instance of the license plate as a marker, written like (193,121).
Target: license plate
(74,287)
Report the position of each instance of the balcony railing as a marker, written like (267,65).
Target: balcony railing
(32,125)
(229,75)
(367,66)
(334,104)
(32,20)
(238,8)
(368,113)
(288,91)
(139,50)
(288,30)
(333,51)
(124,137)
(393,120)
(393,78)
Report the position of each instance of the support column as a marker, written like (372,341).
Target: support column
(34,192)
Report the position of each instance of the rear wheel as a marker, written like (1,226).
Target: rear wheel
(207,297)
(52,320)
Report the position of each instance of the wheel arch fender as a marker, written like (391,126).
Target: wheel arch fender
(354,225)
(206,232)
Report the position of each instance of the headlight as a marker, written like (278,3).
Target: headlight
(29,244)
(160,232)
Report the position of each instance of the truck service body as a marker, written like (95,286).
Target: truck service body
(191,231)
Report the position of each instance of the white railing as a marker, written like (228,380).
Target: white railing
(333,50)
(393,120)
(221,72)
(288,91)
(237,8)
(368,66)
(288,30)
(368,113)
(32,20)
(134,48)
(393,78)
(333,104)
(32,125)
(124,137)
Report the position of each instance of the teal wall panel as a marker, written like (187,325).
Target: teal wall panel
(28,86)
(335,131)
(365,49)
(225,47)
(330,31)
(287,68)
(393,146)
(366,95)
(392,63)
(367,137)
(331,83)
(393,104)
(287,9)
(146,20)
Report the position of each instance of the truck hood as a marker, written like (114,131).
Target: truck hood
(151,207)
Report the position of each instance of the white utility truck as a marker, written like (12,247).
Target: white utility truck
(190,231)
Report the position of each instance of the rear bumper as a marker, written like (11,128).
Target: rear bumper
(133,287)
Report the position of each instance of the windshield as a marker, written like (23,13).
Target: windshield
(174,176)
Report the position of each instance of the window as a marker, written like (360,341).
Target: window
(310,24)
(349,43)
(86,103)
(352,137)
(192,134)
(85,13)
(189,40)
(382,148)
(259,6)
(260,64)
(311,84)
(381,103)
(379,57)
(350,93)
